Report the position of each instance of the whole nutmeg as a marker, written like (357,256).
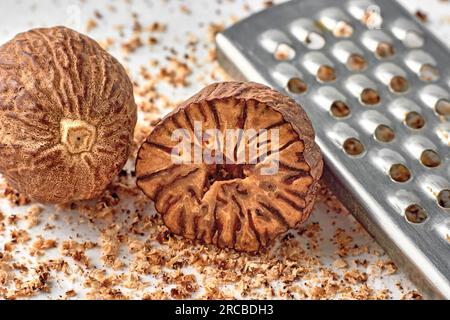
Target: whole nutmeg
(67,115)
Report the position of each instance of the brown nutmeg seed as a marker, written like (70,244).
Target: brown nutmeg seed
(67,115)
(230,202)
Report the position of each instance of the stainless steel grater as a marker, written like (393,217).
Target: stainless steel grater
(375,84)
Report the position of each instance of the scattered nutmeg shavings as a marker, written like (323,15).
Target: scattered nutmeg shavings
(422,16)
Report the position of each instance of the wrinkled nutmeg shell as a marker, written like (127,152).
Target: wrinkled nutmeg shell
(234,206)
(67,115)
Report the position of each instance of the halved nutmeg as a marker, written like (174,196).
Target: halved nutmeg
(236,165)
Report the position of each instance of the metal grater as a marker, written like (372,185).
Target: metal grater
(375,84)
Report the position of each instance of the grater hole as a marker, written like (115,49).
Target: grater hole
(326,74)
(399,84)
(353,147)
(372,18)
(356,62)
(370,96)
(399,173)
(284,52)
(413,39)
(430,159)
(314,41)
(343,30)
(414,120)
(297,86)
(428,72)
(384,133)
(444,198)
(442,107)
(415,214)
(339,109)
(384,50)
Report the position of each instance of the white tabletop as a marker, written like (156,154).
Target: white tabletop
(334,232)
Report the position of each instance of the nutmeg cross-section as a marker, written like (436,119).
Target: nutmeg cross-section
(241,202)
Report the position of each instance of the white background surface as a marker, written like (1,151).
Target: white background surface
(18,16)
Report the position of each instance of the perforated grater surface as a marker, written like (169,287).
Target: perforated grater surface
(375,84)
